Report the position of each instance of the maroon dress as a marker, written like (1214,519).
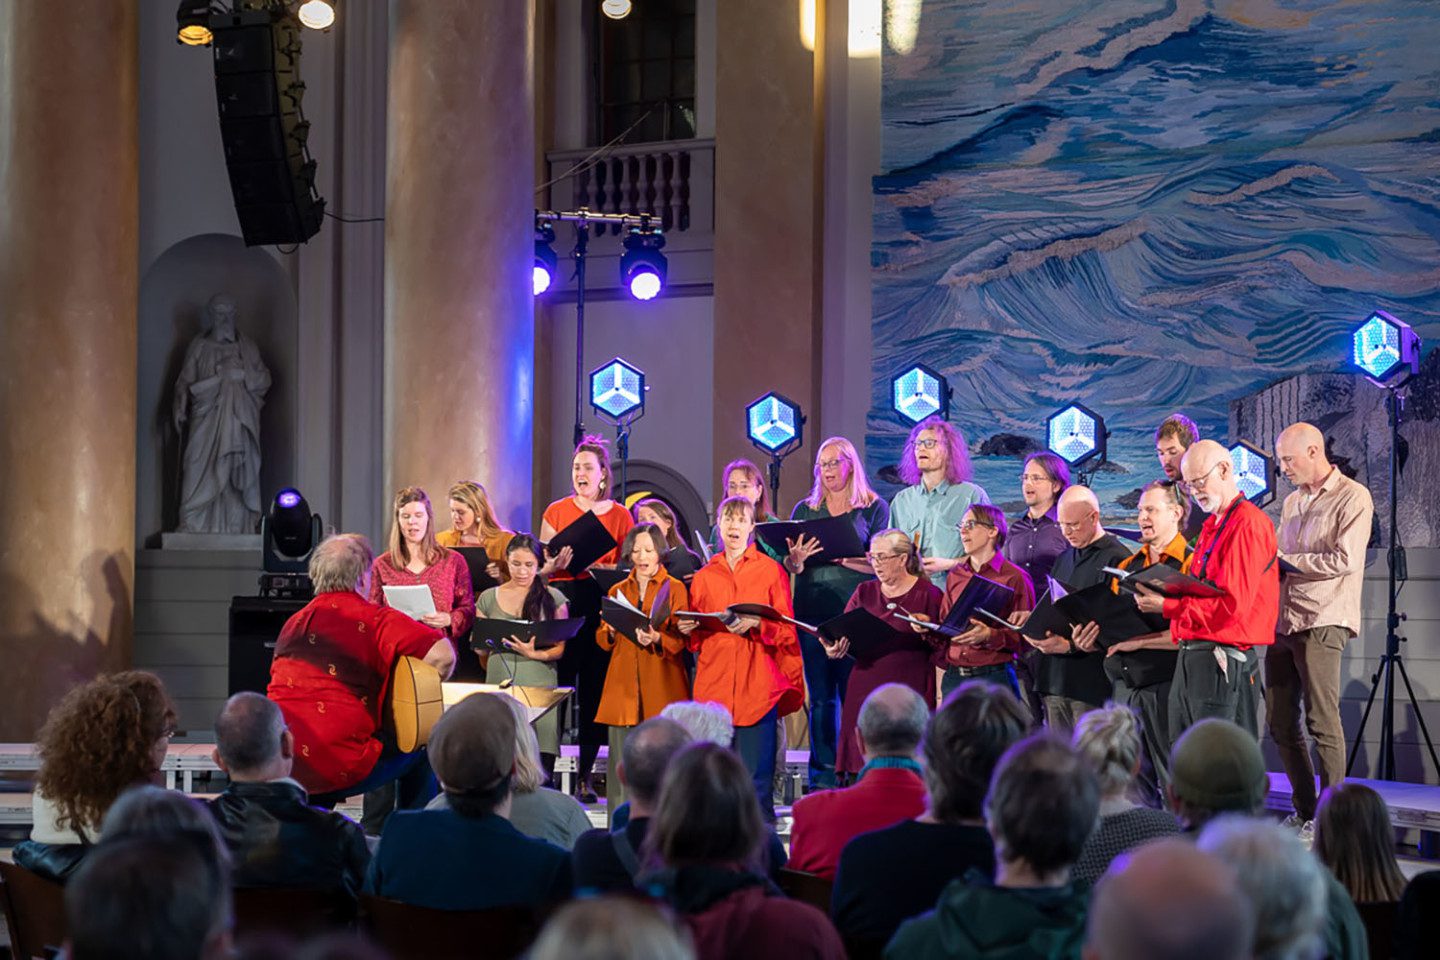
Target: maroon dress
(907,660)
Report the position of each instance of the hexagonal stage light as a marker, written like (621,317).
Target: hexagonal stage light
(1254,472)
(774,423)
(920,392)
(617,391)
(1386,349)
(1076,434)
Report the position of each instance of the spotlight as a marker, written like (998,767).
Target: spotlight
(543,274)
(1385,348)
(1254,472)
(920,392)
(617,392)
(317,14)
(616,9)
(1077,435)
(192,23)
(643,266)
(775,424)
(289,534)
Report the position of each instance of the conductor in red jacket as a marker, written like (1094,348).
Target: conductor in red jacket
(1217,670)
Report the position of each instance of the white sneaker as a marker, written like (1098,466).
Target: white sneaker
(1307,832)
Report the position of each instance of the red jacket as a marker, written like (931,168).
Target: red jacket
(751,924)
(827,820)
(1236,552)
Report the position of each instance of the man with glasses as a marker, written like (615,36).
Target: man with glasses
(1070,680)
(1034,544)
(1236,552)
(936,464)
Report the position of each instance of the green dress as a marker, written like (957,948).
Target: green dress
(524,671)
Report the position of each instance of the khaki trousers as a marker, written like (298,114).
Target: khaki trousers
(1303,670)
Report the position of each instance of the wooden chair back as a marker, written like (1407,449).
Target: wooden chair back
(298,913)
(35,912)
(806,887)
(409,932)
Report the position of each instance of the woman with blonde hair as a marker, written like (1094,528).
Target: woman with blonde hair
(1109,740)
(473,524)
(536,810)
(822,590)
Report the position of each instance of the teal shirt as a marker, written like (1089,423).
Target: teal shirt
(932,518)
(823,590)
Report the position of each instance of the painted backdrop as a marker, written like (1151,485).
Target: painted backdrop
(1156,205)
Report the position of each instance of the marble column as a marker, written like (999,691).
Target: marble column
(69,209)
(459,312)
(767,230)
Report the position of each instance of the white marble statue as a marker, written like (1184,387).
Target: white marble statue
(218,397)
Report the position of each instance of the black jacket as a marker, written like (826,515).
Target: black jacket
(279,840)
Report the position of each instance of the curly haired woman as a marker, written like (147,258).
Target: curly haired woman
(102,738)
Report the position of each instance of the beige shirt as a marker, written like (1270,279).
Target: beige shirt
(1324,535)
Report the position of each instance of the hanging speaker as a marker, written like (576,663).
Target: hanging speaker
(258,91)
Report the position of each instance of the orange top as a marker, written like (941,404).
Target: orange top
(642,680)
(746,674)
(494,546)
(563,512)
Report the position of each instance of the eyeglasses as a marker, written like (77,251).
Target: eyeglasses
(829,464)
(1199,482)
(929,443)
(168,734)
(972,524)
(875,558)
(1035,478)
(1076,525)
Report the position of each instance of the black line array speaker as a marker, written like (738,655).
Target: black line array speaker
(258,91)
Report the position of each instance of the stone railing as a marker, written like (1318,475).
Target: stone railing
(674,181)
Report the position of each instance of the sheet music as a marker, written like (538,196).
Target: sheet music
(413,601)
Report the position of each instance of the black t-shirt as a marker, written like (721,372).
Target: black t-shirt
(1080,676)
(888,876)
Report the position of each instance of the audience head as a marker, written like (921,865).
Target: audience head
(341,564)
(983,529)
(523,558)
(474,754)
(1215,767)
(471,510)
(1284,884)
(1109,740)
(1300,454)
(613,928)
(741,478)
(1042,806)
(1354,838)
(590,468)
(705,722)
(1161,513)
(1043,478)
(412,530)
(103,737)
(151,811)
(650,542)
(251,739)
(707,812)
(1209,473)
(935,445)
(1169,900)
(160,897)
(893,554)
(1079,516)
(892,721)
(646,755)
(656,511)
(1176,434)
(963,741)
(736,519)
(838,469)
(529,770)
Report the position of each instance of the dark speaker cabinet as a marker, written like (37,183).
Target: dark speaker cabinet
(255,624)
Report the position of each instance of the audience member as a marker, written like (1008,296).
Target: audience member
(1419,904)
(1109,739)
(276,838)
(151,811)
(1282,881)
(157,897)
(537,810)
(610,859)
(469,856)
(1169,900)
(101,738)
(612,928)
(1354,838)
(1040,810)
(704,854)
(890,789)
(707,722)
(886,876)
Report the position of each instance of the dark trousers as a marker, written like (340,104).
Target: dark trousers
(583,666)
(1001,675)
(1152,703)
(1303,669)
(825,681)
(1202,688)
(402,780)
(756,746)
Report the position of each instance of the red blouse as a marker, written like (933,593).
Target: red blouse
(448,579)
(563,512)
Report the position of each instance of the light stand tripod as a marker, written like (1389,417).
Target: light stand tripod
(1390,660)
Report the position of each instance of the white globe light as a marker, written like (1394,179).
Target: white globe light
(317,14)
(616,9)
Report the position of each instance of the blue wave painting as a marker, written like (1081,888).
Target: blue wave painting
(1147,206)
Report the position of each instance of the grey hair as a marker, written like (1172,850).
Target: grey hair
(707,722)
(529,774)
(151,811)
(1283,881)
(248,732)
(893,729)
(340,563)
(1109,739)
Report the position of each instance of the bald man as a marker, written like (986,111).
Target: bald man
(1324,528)
(1168,899)
(1218,637)
(1069,680)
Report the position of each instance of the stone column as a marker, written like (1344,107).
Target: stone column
(459,312)
(69,192)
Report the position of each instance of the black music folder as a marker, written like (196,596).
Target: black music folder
(622,615)
(588,540)
(1045,618)
(837,535)
(478,562)
(607,579)
(1167,580)
(870,636)
(490,633)
(980,594)
(1118,617)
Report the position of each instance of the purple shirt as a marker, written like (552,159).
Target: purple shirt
(1033,545)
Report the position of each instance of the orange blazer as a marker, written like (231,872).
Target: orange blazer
(641,681)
